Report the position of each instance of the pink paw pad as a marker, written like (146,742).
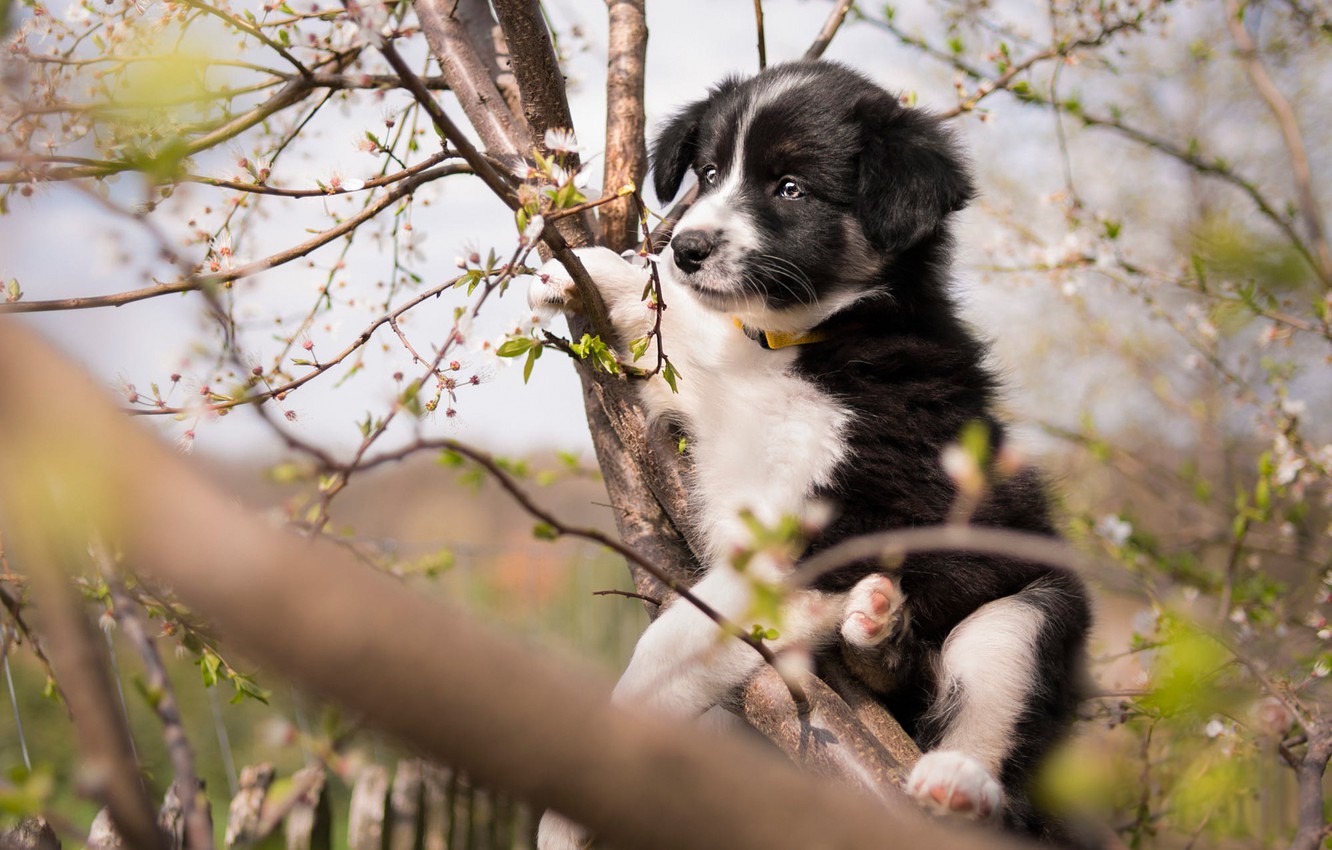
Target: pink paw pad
(871,609)
(953,783)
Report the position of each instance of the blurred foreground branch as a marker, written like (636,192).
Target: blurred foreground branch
(452,689)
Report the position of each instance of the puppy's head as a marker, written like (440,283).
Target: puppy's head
(811,178)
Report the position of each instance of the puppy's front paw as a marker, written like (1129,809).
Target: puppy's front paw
(620,283)
(551,290)
(559,833)
(954,783)
(872,610)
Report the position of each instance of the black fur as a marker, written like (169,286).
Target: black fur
(881,183)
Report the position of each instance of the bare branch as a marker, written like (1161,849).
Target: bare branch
(555,526)
(198,828)
(197,282)
(1290,133)
(830,27)
(889,547)
(759,35)
(626,146)
(1309,778)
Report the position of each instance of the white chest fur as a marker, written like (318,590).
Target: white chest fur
(761,437)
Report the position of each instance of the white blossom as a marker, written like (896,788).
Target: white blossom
(560,140)
(1114,529)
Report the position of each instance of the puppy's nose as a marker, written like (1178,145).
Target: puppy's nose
(691,248)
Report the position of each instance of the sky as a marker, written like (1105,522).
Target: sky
(61,243)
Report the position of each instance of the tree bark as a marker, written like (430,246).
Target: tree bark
(626,147)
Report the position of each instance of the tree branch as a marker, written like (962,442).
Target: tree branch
(1281,110)
(198,828)
(830,27)
(471,81)
(626,145)
(197,282)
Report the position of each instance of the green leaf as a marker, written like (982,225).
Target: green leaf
(545,531)
(638,347)
(408,398)
(670,376)
(210,666)
(451,459)
(247,688)
(515,346)
(533,354)
(975,441)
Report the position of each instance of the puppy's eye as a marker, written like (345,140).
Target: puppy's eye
(708,173)
(789,189)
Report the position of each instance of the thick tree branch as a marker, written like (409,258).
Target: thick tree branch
(626,147)
(1309,780)
(470,79)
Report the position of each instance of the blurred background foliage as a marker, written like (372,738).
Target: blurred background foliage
(1155,285)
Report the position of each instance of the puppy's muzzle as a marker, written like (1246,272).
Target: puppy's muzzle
(692,247)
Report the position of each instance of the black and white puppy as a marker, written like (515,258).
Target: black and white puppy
(825,370)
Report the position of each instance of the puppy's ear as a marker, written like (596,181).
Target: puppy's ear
(911,174)
(677,145)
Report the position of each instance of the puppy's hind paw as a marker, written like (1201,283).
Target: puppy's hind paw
(954,783)
(872,610)
(559,833)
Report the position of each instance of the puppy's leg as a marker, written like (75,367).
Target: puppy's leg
(682,666)
(988,676)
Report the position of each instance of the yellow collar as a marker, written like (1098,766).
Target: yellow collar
(773,340)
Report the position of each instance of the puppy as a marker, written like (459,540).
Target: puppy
(824,371)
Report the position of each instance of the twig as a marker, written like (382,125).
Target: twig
(1216,168)
(557,527)
(651,600)
(102,733)
(762,41)
(198,830)
(206,281)
(5,643)
(830,27)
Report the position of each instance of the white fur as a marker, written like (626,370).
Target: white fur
(989,658)
(955,783)
(557,832)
